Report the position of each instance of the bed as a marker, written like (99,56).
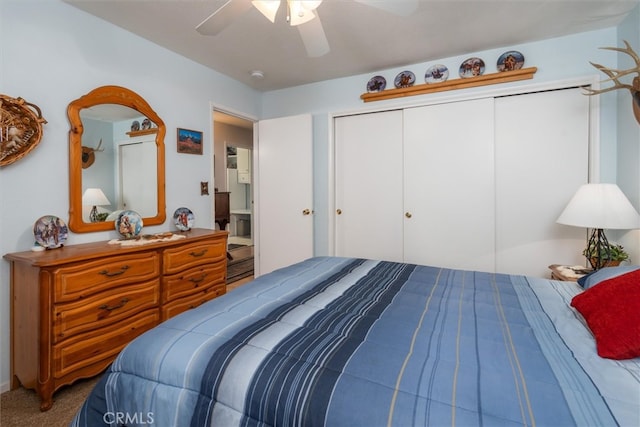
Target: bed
(336,341)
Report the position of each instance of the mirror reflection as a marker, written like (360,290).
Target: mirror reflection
(118,163)
(116,159)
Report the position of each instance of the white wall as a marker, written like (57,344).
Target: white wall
(53,53)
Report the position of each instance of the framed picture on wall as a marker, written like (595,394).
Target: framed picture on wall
(189,141)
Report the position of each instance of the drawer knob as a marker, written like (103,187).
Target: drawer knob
(123,301)
(115,273)
(198,254)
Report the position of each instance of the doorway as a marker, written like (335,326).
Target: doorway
(233,175)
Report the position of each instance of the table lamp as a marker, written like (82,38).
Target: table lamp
(94,197)
(599,207)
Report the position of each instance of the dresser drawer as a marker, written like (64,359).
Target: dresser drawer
(191,281)
(192,301)
(190,255)
(101,344)
(103,309)
(84,279)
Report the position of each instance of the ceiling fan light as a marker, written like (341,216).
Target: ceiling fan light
(268,8)
(298,14)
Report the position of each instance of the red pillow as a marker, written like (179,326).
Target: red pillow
(612,311)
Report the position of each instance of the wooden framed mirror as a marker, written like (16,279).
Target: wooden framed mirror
(104,122)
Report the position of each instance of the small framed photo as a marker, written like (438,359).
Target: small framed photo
(189,141)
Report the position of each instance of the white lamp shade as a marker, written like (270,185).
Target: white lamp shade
(94,197)
(600,206)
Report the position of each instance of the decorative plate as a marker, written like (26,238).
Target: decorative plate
(50,231)
(376,84)
(510,61)
(183,219)
(472,67)
(146,124)
(128,224)
(436,74)
(405,79)
(135,126)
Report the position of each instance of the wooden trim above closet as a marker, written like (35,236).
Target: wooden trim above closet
(488,79)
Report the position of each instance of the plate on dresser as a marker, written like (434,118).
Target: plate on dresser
(50,231)
(183,219)
(128,224)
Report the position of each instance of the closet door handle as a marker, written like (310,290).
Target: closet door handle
(339,211)
(408,214)
(306,212)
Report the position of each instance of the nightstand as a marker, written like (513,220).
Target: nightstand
(568,273)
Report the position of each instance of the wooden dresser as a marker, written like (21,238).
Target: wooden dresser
(74,308)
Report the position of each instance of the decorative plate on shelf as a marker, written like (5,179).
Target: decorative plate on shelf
(436,74)
(128,224)
(50,231)
(404,79)
(472,67)
(376,84)
(135,126)
(146,124)
(183,219)
(510,61)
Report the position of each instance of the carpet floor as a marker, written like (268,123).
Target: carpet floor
(21,407)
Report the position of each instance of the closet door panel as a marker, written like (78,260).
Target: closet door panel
(449,185)
(542,146)
(369,185)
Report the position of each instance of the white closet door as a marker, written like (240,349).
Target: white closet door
(542,145)
(368,154)
(449,185)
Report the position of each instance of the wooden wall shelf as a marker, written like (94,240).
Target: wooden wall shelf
(488,79)
(135,133)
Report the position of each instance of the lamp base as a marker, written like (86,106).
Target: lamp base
(598,252)
(93,215)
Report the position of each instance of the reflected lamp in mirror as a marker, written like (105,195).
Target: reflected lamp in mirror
(94,197)
(599,207)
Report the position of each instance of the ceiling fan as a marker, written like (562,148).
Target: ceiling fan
(300,13)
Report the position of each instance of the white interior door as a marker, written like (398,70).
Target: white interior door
(368,185)
(449,185)
(542,157)
(138,169)
(284,192)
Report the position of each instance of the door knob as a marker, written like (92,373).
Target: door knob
(339,211)
(407,214)
(306,212)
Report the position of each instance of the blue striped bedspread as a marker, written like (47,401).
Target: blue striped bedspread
(352,342)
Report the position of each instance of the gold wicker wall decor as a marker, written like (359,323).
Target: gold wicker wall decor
(20,128)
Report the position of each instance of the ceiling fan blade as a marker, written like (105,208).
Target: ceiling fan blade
(313,37)
(223,17)
(397,7)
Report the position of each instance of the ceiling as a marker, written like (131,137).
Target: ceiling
(363,39)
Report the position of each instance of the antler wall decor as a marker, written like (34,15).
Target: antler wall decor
(615,75)
(88,154)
